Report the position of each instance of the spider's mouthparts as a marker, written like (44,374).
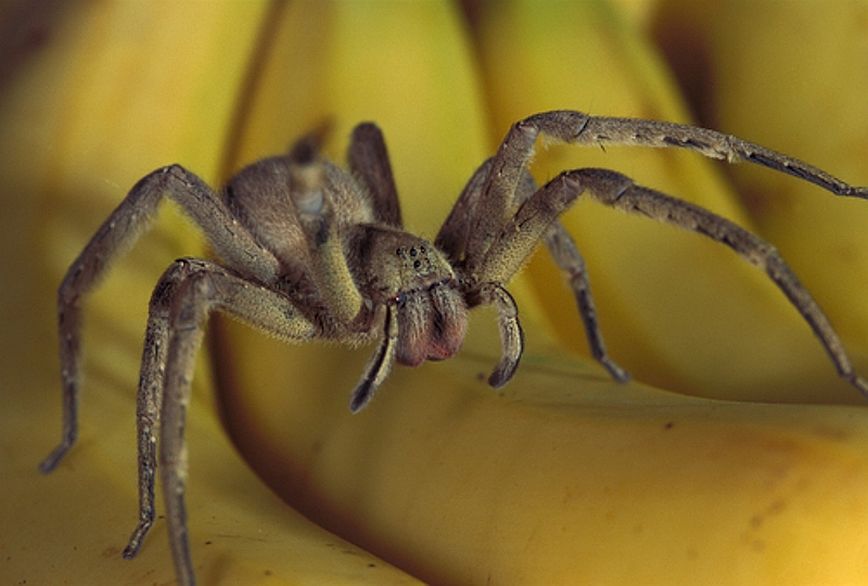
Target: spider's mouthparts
(431,324)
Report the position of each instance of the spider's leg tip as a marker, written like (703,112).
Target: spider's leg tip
(53,459)
(359,399)
(619,374)
(501,375)
(47,466)
(861,384)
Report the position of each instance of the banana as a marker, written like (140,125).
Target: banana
(95,96)
(819,116)
(679,311)
(566,477)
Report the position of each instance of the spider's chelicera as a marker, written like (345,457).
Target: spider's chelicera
(309,251)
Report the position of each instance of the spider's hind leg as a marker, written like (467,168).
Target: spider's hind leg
(369,161)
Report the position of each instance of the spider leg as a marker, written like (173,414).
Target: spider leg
(454,234)
(516,149)
(368,159)
(276,315)
(517,239)
(186,294)
(328,264)
(379,366)
(118,233)
(149,398)
(565,253)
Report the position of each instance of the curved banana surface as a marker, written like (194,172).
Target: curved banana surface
(565,477)
(568,478)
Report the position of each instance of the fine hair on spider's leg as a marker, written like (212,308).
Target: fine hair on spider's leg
(454,234)
(565,253)
(328,265)
(116,235)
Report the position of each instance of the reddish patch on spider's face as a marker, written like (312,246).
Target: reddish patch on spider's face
(431,325)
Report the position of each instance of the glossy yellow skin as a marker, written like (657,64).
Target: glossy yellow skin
(564,477)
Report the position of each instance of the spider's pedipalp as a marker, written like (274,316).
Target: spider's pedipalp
(511,336)
(379,366)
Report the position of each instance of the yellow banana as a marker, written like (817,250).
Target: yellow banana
(678,310)
(789,76)
(567,478)
(820,59)
(95,96)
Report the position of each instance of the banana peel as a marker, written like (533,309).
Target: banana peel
(739,65)
(564,477)
(110,92)
(822,117)
(678,310)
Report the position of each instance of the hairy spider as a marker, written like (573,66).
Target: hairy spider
(312,251)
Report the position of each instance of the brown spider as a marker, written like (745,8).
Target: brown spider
(311,251)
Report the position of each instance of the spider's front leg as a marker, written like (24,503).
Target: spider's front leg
(117,234)
(182,301)
(520,235)
(513,156)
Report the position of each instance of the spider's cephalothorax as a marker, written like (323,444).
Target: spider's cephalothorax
(415,282)
(311,251)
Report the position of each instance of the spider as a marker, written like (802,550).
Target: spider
(310,251)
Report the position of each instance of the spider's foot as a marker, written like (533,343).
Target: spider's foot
(615,371)
(54,458)
(135,543)
(502,373)
(860,383)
